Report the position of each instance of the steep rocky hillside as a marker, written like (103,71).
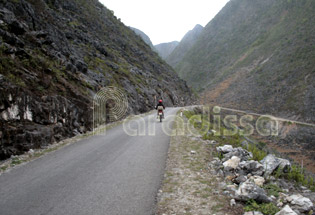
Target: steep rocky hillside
(184,46)
(145,37)
(259,56)
(165,49)
(55,55)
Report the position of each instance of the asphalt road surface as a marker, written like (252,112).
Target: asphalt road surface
(114,174)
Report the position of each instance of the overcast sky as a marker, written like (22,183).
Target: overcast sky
(165,20)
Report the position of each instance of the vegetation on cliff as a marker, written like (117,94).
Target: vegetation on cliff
(55,55)
(257,55)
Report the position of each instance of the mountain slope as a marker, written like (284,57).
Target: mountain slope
(184,46)
(55,56)
(257,55)
(165,49)
(145,37)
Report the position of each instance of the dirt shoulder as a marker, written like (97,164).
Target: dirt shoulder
(190,186)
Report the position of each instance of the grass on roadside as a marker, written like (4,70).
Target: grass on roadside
(265,208)
(187,172)
(259,151)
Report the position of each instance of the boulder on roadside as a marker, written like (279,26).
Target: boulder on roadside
(300,203)
(286,211)
(229,171)
(285,165)
(243,154)
(233,162)
(258,180)
(240,179)
(271,163)
(231,187)
(228,152)
(225,149)
(249,190)
(232,202)
(252,167)
(216,164)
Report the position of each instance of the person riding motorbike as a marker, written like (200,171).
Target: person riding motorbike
(160,104)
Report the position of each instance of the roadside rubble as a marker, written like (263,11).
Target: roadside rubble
(205,178)
(189,185)
(245,180)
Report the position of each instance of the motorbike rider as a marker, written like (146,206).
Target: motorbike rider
(162,105)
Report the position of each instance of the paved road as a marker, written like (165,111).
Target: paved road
(113,174)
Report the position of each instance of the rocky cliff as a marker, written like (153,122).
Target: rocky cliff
(184,46)
(55,55)
(165,49)
(259,56)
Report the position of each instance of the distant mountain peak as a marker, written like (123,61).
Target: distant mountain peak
(185,45)
(165,49)
(198,26)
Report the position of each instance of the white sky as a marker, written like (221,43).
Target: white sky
(165,20)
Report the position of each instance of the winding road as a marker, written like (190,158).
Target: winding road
(114,174)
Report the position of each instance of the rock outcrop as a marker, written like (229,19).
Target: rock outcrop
(56,55)
(257,56)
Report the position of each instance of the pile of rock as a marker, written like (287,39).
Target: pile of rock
(249,176)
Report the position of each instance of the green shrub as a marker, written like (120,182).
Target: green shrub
(298,175)
(272,189)
(311,183)
(258,154)
(278,173)
(265,208)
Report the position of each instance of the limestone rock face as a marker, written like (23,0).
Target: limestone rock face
(56,55)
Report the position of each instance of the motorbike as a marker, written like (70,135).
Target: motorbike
(160,113)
